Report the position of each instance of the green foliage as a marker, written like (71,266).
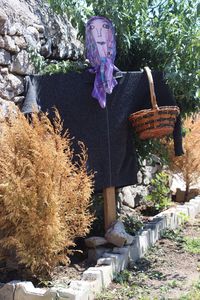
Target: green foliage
(122,277)
(192,245)
(159,195)
(161,34)
(194,293)
(184,217)
(44,66)
(145,149)
(174,235)
(132,223)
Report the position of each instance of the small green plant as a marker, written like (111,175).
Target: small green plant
(123,277)
(184,218)
(174,235)
(132,223)
(173,284)
(194,293)
(159,195)
(192,245)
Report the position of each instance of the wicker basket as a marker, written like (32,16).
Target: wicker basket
(157,121)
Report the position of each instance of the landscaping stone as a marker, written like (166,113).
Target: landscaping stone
(118,261)
(95,253)
(117,235)
(95,241)
(106,275)
(26,291)
(7,290)
(94,277)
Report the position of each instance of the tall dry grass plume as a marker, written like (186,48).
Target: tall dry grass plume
(189,163)
(44,197)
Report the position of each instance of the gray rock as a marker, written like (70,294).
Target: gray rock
(139,177)
(4,70)
(117,235)
(21,64)
(18,100)
(9,44)
(128,197)
(95,241)
(16,83)
(2,43)
(5,57)
(3,22)
(20,42)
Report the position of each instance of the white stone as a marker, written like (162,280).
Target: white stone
(135,250)
(118,261)
(106,275)
(125,252)
(191,210)
(26,291)
(94,277)
(7,291)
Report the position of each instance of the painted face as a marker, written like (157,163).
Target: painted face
(100,29)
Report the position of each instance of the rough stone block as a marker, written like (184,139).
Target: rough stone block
(7,291)
(196,200)
(95,241)
(143,242)
(105,261)
(26,291)
(196,207)
(134,254)
(95,253)
(191,210)
(118,261)
(125,252)
(78,290)
(106,275)
(117,235)
(94,277)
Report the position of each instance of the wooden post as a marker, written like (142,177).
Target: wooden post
(110,214)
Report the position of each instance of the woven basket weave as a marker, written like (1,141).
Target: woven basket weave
(156,122)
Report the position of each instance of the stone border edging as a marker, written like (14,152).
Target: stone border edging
(94,279)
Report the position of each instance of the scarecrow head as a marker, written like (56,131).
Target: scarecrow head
(100,40)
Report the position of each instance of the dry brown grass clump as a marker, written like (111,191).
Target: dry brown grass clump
(189,163)
(44,197)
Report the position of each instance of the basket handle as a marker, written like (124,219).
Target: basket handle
(151,86)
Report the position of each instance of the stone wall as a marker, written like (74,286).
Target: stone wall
(26,24)
(132,196)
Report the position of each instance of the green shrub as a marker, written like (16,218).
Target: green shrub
(159,195)
(132,223)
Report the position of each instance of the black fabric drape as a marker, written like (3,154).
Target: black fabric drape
(107,132)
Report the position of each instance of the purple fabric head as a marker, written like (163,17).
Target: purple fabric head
(101,52)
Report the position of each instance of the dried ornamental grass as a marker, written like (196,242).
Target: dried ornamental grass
(44,197)
(189,163)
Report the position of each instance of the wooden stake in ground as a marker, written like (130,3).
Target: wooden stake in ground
(109,206)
